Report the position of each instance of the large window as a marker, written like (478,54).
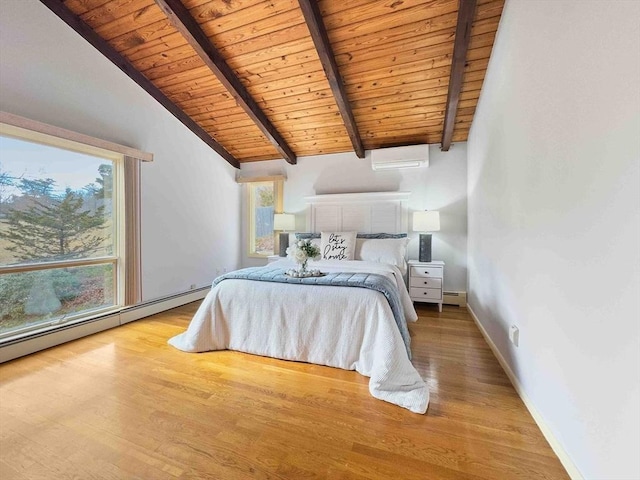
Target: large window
(59,224)
(265,199)
(61,231)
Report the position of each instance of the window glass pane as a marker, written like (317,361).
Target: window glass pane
(55,204)
(52,295)
(263,199)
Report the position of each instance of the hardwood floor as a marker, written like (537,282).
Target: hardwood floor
(122,404)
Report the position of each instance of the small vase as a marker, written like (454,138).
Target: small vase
(303,267)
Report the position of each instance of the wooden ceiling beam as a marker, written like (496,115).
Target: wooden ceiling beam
(466,11)
(192,32)
(313,17)
(86,32)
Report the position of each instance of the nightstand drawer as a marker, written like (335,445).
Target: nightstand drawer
(427,272)
(426,282)
(426,293)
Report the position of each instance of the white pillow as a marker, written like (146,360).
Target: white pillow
(382,250)
(338,245)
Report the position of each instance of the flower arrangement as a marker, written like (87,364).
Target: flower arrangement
(301,251)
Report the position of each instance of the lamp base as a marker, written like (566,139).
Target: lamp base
(284,244)
(425,247)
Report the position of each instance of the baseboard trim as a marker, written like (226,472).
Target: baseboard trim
(557,448)
(39,342)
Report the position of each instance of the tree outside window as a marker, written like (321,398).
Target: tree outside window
(57,241)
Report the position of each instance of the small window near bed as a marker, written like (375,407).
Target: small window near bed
(265,199)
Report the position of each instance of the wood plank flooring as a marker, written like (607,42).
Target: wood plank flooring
(122,404)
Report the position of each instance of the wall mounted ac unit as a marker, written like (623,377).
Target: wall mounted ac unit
(411,156)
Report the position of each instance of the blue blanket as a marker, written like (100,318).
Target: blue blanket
(372,281)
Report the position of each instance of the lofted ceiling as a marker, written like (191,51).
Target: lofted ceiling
(266,79)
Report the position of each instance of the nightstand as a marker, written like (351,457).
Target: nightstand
(425,281)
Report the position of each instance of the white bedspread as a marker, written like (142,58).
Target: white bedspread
(344,327)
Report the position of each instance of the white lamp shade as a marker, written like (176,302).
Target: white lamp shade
(427,221)
(284,221)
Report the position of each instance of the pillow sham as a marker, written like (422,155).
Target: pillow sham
(306,235)
(381,235)
(337,245)
(314,237)
(382,250)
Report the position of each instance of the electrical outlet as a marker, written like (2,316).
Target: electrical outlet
(514,335)
(192,286)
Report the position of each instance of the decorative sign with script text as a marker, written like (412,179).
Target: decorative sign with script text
(338,245)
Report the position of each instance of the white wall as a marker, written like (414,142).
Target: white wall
(554,220)
(442,186)
(190,201)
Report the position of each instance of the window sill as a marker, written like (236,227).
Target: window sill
(37,331)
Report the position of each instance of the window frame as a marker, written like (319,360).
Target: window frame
(126,215)
(278,190)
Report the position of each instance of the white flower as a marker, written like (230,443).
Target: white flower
(303,250)
(291,252)
(300,256)
(297,254)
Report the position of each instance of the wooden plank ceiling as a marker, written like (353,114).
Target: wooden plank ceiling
(394,58)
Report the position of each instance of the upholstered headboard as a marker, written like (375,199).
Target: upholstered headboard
(361,212)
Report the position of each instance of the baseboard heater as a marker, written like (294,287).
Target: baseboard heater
(455,298)
(67,333)
(146,309)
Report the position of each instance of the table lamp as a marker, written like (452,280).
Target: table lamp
(427,221)
(284,222)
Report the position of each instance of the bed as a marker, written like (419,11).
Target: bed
(348,327)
